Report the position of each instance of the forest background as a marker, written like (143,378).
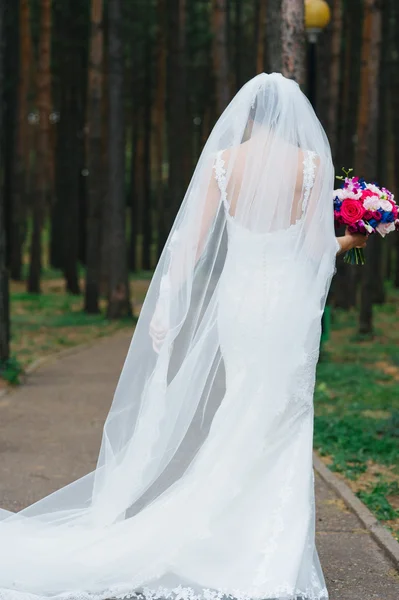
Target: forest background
(106,105)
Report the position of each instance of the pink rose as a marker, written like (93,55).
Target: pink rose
(352,211)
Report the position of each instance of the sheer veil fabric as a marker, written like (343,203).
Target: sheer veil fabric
(204,483)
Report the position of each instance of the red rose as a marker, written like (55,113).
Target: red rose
(352,211)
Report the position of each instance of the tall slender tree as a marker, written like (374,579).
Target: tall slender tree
(21,154)
(366,156)
(221,44)
(96,183)
(273,35)
(334,74)
(260,16)
(220,60)
(4,293)
(159,124)
(293,39)
(147,205)
(118,286)
(44,164)
(68,143)
(177,107)
(393,8)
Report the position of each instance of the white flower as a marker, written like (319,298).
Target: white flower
(374,188)
(372,203)
(386,205)
(384,228)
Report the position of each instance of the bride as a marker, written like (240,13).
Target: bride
(204,484)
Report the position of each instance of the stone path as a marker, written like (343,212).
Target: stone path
(50,431)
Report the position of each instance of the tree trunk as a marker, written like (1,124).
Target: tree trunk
(96,181)
(261,36)
(273,36)
(393,10)
(335,75)
(4,293)
(118,286)
(159,125)
(177,111)
(68,142)
(238,48)
(136,192)
(293,39)
(105,209)
(385,141)
(220,61)
(366,159)
(21,156)
(44,174)
(147,215)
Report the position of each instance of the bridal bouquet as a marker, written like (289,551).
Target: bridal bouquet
(364,208)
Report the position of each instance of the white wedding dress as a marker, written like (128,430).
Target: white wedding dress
(238,519)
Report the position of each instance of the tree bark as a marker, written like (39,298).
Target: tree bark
(393,10)
(366,158)
(293,40)
(147,213)
(4,292)
(21,156)
(159,125)
(273,36)
(261,36)
(96,183)
(335,75)
(68,142)
(220,60)
(44,173)
(118,287)
(238,49)
(177,109)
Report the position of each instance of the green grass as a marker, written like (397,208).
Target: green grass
(11,370)
(357,409)
(42,324)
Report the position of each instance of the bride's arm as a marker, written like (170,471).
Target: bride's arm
(317,237)
(351,240)
(185,248)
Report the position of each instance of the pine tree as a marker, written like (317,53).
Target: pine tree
(96,180)
(118,283)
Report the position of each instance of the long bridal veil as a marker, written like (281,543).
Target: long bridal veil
(265,168)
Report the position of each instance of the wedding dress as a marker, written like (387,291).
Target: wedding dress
(204,487)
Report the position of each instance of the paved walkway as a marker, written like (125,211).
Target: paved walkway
(50,431)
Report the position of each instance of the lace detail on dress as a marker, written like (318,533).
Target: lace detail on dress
(283,592)
(220,175)
(309,170)
(304,378)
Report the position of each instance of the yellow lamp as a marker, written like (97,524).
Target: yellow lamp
(317,17)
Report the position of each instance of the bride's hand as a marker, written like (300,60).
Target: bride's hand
(158,326)
(352,240)
(357,240)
